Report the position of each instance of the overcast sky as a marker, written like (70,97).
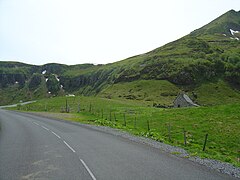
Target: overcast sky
(98,31)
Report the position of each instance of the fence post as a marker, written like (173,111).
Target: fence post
(66,105)
(124,117)
(148,126)
(184,137)
(90,108)
(78,107)
(169,132)
(205,142)
(115,119)
(135,122)
(110,115)
(102,113)
(238,154)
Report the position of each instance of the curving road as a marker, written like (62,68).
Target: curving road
(33,147)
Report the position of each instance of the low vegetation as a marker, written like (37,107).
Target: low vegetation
(221,123)
(160,92)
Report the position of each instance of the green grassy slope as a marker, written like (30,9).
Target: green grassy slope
(162,92)
(221,25)
(213,93)
(193,63)
(145,91)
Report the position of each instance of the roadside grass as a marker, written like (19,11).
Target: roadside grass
(221,123)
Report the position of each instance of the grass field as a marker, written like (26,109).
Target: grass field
(149,91)
(221,123)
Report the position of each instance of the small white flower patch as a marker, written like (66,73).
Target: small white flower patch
(70,95)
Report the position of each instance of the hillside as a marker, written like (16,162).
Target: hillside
(205,64)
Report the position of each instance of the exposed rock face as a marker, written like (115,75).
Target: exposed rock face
(11,79)
(35,81)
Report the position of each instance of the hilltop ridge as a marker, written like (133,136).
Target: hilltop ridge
(205,64)
(221,25)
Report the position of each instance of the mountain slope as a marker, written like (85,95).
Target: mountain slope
(206,58)
(221,25)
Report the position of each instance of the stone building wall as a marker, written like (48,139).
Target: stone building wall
(180,101)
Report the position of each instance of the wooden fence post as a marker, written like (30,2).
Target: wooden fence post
(78,108)
(238,154)
(124,118)
(169,132)
(66,110)
(110,115)
(115,119)
(90,108)
(135,122)
(205,142)
(184,137)
(148,126)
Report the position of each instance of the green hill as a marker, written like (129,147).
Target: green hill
(205,64)
(221,25)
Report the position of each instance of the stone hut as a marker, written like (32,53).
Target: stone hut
(183,100)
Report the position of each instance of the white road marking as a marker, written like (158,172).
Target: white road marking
(36,123)
(87,168)
(84,164)
(56,135)
(69,146)
(45,128)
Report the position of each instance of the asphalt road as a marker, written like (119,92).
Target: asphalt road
(33,147)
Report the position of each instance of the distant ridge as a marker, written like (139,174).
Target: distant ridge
(221,25)
(205,64)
